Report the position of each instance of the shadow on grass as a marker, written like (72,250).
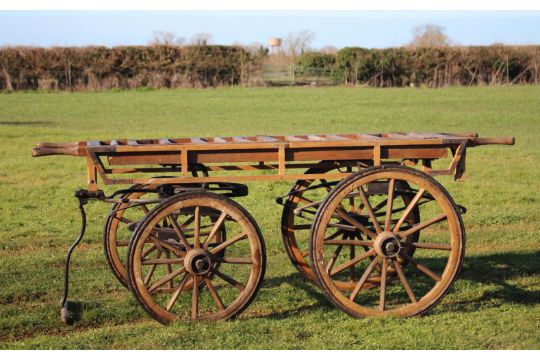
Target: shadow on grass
(494,269)
(499,270)
(24,123)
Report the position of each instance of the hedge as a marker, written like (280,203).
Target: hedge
(436,67)
(98,68)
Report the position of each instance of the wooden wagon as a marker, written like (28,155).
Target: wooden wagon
(365,220)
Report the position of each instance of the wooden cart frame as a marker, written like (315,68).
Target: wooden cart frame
(399,165)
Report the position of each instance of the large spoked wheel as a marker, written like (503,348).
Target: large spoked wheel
(124,218)
(301,206)
(385,247)
(166,268)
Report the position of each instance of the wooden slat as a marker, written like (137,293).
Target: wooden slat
(336,138)
(219,140)
(294,138)
(367,137)
(198,141)
(397,136)
(241,139)
(315,137)
(264,138)
(428,135)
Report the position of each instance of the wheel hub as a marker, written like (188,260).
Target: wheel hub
(387,244)
(197,262)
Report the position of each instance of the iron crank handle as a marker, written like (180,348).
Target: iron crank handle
(64,313)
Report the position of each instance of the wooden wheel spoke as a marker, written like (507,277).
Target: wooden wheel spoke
(195,298)
(342,214)
(177,292)
(349,242)
(304,199)
(148,251)
(422,225)
(364,277)
(120,243)
(150,273)
(334,235)
(169,268)
(378,207)
(166,278)
(145,209)
(124,220)
(227,243)
(382,299)
(217,226)
(179,232)
(324,184)
(230,280)
(369,210)
(352,262)
(428,246)
(187,222)
(389,205)
(197,228)
(213,293)
(424,269)
(351,204)
(333,259)
(232,260)
(160,244)
(351,257)
(404,281)
(161,261)
(408,210)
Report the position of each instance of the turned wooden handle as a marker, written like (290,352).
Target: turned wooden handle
(39,151)
(496,141)
(57,145)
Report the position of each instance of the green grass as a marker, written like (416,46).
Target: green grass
(495,304)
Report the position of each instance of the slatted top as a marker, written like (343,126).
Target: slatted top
(232,143)
(399,136)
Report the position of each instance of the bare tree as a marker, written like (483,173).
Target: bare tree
(255,49)
(429,35)
(295,44)
(201,39)
(329,49)
(166,38)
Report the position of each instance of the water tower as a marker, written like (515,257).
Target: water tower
(275,44)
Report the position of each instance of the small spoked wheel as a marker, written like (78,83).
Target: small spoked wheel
(201,276)
(119,226)
(123,220)
(300,208)
(388,279)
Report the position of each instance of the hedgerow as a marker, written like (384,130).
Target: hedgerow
(97,68)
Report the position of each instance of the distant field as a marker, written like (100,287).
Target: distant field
(494,305)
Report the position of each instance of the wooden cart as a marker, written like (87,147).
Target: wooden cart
(365,220)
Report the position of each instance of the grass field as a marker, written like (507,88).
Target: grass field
(494,305)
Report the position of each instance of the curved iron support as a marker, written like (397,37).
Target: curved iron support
(64,313)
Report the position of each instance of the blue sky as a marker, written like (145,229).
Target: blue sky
(338,28)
